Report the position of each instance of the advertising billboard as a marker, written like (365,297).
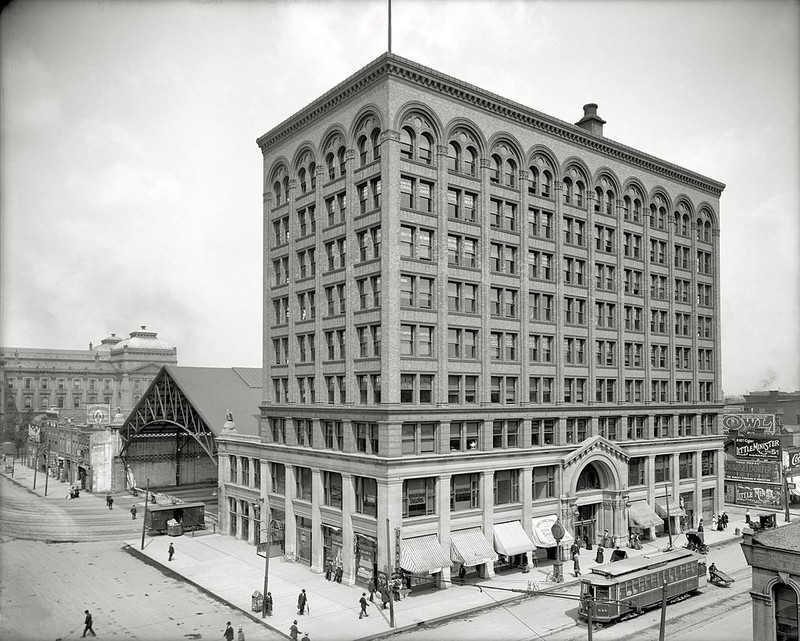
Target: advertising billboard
(764,423)
(758,447)
(759,495)
(763,471)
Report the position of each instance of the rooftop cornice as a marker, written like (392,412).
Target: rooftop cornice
(392,65)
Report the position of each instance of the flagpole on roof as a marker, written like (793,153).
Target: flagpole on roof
(390,26)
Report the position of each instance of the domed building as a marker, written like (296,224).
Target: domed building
(86,387)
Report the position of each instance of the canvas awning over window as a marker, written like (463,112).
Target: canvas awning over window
(422,555)
(674,508)
(510,539)
(641,515)
(470,547)
(542,535)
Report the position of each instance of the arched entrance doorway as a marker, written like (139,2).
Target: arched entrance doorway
(595,486)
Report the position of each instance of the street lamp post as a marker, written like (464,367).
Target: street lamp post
(669,523)
(558,532)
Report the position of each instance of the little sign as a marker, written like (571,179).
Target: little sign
(758,448)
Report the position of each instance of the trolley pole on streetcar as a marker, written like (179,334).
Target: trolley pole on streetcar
(144,520)
(663,627)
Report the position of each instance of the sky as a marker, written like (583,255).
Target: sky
(131,179)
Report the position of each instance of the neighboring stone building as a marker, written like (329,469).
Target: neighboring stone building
(785,405)
(477,318)
(774,556)
(115,373)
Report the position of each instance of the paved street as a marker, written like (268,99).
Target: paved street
(61,557)
(703,617)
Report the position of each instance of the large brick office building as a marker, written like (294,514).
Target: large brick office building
(477,318)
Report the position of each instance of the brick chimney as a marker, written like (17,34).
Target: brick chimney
(591,122)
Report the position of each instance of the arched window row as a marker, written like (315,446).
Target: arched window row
(418,143)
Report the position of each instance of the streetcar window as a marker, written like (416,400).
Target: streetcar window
(602,594)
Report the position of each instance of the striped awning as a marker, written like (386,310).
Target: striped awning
(422,555)
(470,547)
(641,515)
(674,508)
(543,535)
(510,539)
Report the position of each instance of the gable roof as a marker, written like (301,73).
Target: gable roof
(595,444)
(213,390)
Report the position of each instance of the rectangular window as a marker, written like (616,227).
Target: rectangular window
(277,475)
(462,251)
(416,243)
(636,467)
(662,471)
(506,487)
(544,482)
(464,492)
(505,434)
(419,497)
(303,483)
(366,491)
(332,488)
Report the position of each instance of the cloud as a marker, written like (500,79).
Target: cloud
(30,101)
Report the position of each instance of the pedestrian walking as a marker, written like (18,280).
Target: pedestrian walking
(396,589)
(371,588)
(599,556)
(228,636)
(746,516)
(240,634)
(328,569)
(576,565)
(133,512)
(110,501)
(574,549)
(302,602)
(269,604)
(462,572)
(713,522)
(725,520)
(384,595)
(339,571)
(294,631)
(700,526)
(171,551)
(87,624)
(363,602)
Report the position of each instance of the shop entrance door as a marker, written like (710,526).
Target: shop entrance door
(586,523)
(304,540)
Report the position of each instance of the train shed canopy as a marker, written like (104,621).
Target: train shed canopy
(191,402)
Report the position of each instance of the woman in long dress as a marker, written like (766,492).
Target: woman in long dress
(599,556)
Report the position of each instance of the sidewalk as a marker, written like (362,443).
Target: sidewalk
(230,569)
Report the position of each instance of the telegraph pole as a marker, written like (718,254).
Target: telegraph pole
(389,572)
(663,627)
(144,520)
(669,523)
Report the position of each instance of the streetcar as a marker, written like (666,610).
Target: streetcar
(626,588)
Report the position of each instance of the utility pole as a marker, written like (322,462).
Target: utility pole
(266,567)
(787,518)
(390,26)
(663,627)
(669,522)
(144,520)
(46,468)
(589,606)
(35,465)
(389,571)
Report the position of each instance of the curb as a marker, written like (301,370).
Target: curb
(179,577)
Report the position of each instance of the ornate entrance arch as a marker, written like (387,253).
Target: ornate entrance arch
(595,487)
